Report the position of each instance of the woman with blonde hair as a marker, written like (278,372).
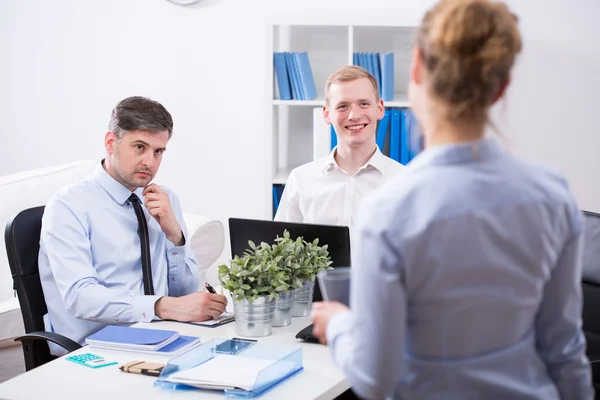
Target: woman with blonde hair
(467,271)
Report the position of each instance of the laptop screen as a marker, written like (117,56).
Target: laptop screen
(591,247)
(336,237)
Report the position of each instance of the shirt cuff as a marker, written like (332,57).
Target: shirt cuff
(177,254)
(143,308)
(339,324)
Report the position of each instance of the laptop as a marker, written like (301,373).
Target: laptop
(336,237)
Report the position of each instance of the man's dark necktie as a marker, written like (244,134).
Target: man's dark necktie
(145,244)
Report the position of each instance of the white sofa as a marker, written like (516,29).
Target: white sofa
(34,188)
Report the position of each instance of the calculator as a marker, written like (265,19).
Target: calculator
(91,360)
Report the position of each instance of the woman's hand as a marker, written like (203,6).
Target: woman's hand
(321,314)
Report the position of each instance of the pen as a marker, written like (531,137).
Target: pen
(245,340)
(209,288)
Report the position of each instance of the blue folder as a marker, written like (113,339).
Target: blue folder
(404,137)
(120,334)
(370,66)
(395,136)
(307,81)
(382,130)
(387,76)
(293,75)
(377,68)
(178,344)
(281,71)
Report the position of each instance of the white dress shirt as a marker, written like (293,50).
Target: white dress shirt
(320,192)
(466,283)
(90,259)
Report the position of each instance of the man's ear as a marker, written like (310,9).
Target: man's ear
(380,109)
(326,115)
(110,142)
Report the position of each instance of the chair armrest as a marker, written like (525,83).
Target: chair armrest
(60,340)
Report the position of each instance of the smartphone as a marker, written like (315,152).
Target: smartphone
(233,346)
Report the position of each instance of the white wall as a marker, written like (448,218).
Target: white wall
(64,64)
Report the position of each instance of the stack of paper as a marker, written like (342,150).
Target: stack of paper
(223,319)
(141,340)
(223,372)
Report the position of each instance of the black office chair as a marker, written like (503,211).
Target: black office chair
(22,238)
(591,293)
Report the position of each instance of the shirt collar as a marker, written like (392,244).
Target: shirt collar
(474,151)
(117,191)
(377,161)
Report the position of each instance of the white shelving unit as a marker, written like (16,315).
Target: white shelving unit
(330,45)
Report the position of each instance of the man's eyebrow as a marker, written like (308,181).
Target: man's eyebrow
(140,141)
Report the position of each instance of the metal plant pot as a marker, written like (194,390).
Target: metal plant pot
(303,300)
(283,309)
(254,319)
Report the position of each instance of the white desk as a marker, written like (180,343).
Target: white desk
(62,379)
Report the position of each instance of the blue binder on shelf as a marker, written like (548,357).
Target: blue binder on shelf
(293,75)
(377,70)
(281,72)
(362,60)
(240,371)
(369,61)
(395,136)
(387,76)
(277,194)
(307,81)
(404,136)
(382,130)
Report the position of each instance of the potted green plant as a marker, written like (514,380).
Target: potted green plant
(305,260)
(265,281)
(261,284)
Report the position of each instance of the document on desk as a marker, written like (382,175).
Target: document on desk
(224,372)
(222,319)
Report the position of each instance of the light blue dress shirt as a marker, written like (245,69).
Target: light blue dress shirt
(90,258)
(466,283)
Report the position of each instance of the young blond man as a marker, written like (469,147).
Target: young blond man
(329,190)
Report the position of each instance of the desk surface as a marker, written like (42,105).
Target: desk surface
(63,379)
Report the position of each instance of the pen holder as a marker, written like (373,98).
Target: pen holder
(303,297)
(283,309)
(254,319)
